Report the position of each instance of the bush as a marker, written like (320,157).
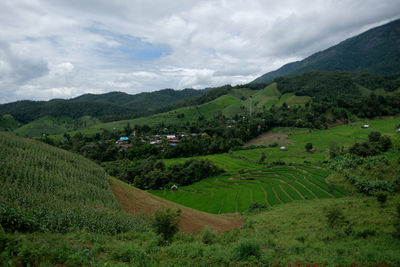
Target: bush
(309,147)
(335,217)
(381,197)
(256,207)
(246,249)
(396,232)
(165,223)
(262,158)
(208,236)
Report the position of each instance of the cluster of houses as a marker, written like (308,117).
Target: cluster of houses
(171,139)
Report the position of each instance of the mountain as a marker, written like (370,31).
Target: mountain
(106,107)
(376,50)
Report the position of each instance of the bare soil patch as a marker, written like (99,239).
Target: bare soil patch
(269,138)
(135,201)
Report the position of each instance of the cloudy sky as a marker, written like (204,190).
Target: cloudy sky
(64,48)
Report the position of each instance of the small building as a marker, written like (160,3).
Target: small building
(174,187)
(365,126)
(171,136)
(283,148)
(398,130)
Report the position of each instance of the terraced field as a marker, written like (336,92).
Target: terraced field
(272,186)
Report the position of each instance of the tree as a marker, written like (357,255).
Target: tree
(165,223)
(309,147)
(373,137)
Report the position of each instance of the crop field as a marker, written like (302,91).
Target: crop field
(343,135)
(223,161)
(272,186)
(46,188)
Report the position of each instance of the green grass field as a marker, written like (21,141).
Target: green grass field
(247,181)
(230,193)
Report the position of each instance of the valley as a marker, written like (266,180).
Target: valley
(300,167)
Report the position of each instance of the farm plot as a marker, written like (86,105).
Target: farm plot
(272,186)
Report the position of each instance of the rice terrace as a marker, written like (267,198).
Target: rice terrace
(103,163)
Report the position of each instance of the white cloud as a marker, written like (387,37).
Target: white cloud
(64,48)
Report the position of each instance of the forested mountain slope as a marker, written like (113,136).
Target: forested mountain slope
(376,50)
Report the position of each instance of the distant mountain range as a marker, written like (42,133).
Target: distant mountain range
(376,50)
(107,107)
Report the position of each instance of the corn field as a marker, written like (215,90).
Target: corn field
(47,189)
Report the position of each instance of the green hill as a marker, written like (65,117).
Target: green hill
(48,189)
(376,51)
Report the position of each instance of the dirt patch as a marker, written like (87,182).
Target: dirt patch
(269,138)
(135,201)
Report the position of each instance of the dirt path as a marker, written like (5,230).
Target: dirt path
(134,201)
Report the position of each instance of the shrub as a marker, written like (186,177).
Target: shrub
(262,158)
(208,236)
(256,207)
(335,217)
(309,147)
(165,223)
(247,248)
(396,232)
(381,197)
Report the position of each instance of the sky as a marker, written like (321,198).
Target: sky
(65,48)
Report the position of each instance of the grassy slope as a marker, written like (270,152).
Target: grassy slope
(344,135)
(230,193)
(268,186)
(134,201)
(8,123)
(288,233)
(55,125)
(236,102)
(46,188)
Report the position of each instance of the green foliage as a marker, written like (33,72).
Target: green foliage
(246,249)
(396,224)
(47,189)
(165,223)
(335,217)
(353,54)
(152,174)
(267,186)
(346,164)
(262,157)
(381,197)
(208,236)
(254,207)
(309,147)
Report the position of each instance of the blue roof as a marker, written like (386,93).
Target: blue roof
(124,138)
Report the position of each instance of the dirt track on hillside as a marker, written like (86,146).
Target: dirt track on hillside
(134,201)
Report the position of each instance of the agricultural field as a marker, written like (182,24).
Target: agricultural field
(53,126)
(231,193)
(43,188)
(295,140)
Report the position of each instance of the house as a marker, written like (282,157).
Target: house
(174,187)
(171,136)
(398,130)
(365,126)
(283,148)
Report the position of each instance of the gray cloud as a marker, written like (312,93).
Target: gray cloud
(64,48)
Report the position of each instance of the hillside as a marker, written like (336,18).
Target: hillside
(376,51)
(106,107)
(48,189)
